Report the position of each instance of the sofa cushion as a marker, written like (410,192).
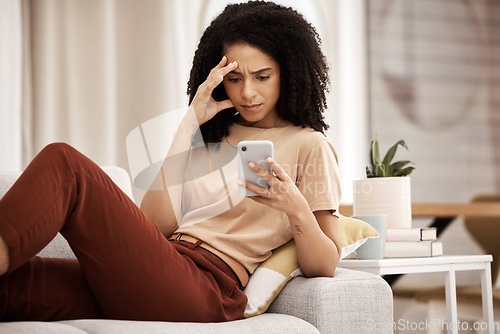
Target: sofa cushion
(266,323)
(28,327)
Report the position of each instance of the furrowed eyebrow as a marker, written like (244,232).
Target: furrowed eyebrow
(255,72)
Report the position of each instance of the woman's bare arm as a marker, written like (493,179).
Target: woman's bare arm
(318,243)
(316,234)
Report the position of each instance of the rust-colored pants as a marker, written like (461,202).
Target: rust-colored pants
(126,269)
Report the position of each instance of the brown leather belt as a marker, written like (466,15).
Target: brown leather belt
(237,267)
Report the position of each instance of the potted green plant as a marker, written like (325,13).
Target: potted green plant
(386,190)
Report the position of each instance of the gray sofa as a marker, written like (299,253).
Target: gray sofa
(351,302)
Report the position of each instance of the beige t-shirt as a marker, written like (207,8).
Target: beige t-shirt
(215,212)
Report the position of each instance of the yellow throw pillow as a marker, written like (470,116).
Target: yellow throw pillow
(272,275)
(353,233)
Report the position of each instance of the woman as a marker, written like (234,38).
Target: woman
(250,80)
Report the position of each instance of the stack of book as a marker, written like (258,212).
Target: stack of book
(412,242)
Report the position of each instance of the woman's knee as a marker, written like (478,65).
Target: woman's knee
(57,148)
(60,150)
(61,154)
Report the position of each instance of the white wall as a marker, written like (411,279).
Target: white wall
(10,84)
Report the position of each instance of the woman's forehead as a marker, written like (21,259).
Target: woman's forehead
(250,58)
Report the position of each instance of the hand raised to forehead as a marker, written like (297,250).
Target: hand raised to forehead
(203,103)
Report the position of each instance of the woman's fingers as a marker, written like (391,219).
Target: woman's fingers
(261,191)
(215,77)
(223,68)
(220,65)
(278,180)
(212,83)
(277,170)
(229,68)
(222,62)
(261,171)
(282,192)
(219,74)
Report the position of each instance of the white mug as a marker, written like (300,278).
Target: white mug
(373,248)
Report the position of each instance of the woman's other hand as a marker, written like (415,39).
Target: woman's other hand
(204,105)
(282,194)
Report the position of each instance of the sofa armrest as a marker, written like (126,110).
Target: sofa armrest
(350,302)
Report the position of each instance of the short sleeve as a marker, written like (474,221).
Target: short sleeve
(318,177)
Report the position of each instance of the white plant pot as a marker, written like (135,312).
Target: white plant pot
(390,196)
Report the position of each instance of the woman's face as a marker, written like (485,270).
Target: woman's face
(254,86)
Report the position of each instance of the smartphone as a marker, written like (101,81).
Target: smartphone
(256,151)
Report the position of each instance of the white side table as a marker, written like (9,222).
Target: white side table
(447,264)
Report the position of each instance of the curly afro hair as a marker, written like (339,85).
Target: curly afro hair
(289,39)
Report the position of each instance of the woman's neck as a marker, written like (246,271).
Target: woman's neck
(263,123)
